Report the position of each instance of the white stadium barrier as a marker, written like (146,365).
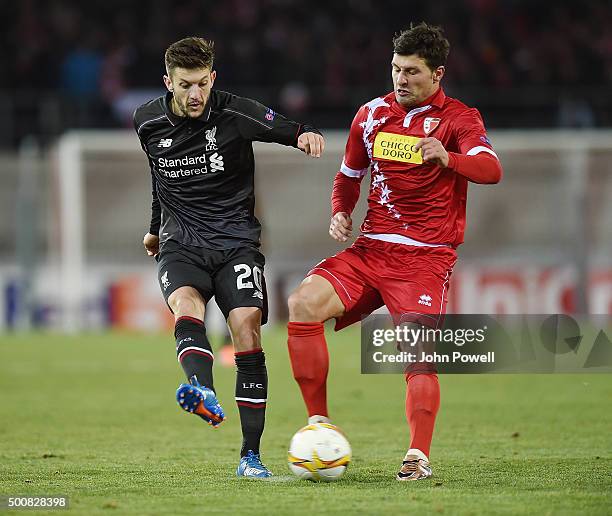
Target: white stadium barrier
(552,209)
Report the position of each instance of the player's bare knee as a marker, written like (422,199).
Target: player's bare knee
(311,303)
(186,301)
(247,339)
(245,327)
(187,306)
(303,306)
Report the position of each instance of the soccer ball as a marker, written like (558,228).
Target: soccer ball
(319,452)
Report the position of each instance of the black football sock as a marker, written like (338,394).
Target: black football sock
(251,397)
(193,350)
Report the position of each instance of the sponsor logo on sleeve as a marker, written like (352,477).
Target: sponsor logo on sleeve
(484,139)
(270,114)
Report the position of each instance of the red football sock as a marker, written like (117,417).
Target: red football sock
(422,404)
(310,363)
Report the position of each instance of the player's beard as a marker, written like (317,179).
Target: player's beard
(407,101)
(195,114)
(183,108)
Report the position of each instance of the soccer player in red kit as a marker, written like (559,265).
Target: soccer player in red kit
(421,148)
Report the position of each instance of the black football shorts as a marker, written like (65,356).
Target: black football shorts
(235,277)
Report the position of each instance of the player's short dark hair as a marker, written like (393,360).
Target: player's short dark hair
(426,41)
(190,53)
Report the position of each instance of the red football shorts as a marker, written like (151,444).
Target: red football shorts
(411,281)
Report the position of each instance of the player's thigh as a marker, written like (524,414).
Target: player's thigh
(415,287)
(347,274)
(315,300)
(240,282)
(183,281)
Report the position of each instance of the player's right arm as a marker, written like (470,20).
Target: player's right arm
(151,239)
(345,192)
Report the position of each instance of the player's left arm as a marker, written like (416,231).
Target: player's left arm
(257,122)
(477,161)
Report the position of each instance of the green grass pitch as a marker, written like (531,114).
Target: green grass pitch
(94,417)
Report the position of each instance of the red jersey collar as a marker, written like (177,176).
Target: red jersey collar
(437,99)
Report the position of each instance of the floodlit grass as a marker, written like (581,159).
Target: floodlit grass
(94,417)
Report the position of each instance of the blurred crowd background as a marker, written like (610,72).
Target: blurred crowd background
(72,64)
(75,204)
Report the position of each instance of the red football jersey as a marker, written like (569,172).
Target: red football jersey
(408,197)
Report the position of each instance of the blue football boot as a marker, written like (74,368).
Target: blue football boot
(196,399)
(251,466)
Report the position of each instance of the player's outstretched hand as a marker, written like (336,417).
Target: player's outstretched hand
(312,144)
(433,151)
(151,244)
(341,227)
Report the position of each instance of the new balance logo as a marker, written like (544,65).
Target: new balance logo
(258,294)
(165,142)
(425,300)
(216,162)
